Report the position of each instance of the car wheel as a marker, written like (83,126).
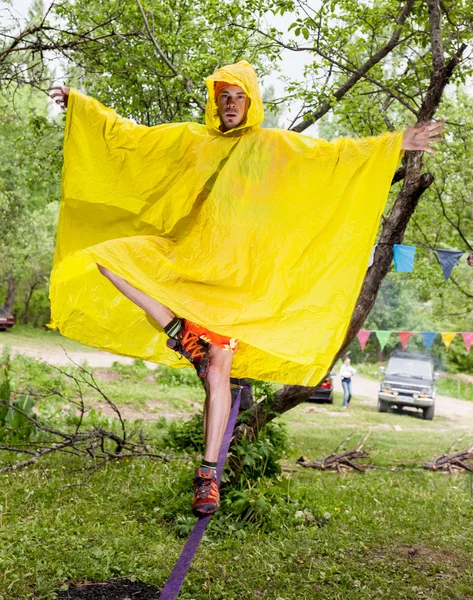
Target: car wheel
(330,399)
(383,406)
(428,413)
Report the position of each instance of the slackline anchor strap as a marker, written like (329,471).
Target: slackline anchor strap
(176,579)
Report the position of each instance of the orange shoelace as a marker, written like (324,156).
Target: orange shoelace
(193,345)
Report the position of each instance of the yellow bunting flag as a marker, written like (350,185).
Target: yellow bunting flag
(447,338)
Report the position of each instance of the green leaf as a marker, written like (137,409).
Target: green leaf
(21,427)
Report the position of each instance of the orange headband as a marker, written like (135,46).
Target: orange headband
(218,87)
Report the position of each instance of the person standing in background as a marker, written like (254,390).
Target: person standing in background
(346,373)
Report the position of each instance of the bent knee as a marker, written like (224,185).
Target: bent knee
(220,366)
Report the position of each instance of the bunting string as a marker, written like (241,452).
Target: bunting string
(404,336)
(404,258)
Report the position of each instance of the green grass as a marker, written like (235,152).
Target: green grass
(457,388)
(369,370)
(384,537)
(318,430)
(402,534)
(35,337)
(131,387)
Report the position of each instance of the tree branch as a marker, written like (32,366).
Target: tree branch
(162,56)
(361,72)
(436,44)
(89,445)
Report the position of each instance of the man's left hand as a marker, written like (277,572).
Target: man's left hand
(421,135)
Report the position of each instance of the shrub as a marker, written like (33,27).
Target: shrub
(177,377)
(186,435)
(32,376)
(14,426)
(134,372)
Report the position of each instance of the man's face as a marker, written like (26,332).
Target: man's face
(232,103)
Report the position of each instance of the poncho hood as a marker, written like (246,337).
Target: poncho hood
(242,74)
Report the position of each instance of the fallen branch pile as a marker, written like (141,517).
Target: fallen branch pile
(452,463)
(343,461)
(95,447)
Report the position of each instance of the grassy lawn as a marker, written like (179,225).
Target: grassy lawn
(35,337)
(452,386)
(386,534)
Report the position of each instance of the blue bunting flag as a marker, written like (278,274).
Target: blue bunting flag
(404,258)
(448,259)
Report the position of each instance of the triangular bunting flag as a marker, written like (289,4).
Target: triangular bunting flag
(448,259)
(429,337)
(383,337)
(468,339)
(404,258)
(371,260)
(363,336)
(404,336)
(447,338)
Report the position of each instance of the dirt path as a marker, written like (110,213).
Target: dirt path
(458,410)
(58,357)
(455,409)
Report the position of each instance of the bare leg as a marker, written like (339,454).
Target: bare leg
(217,384)
(217,402)
(155,309)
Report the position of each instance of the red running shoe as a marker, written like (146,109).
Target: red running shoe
(193,348)
(206,494)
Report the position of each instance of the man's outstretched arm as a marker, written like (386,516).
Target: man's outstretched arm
(60,94)
(419,137)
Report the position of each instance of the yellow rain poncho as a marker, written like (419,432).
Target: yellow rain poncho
(258,234)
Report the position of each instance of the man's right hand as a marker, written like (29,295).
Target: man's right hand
(60,95)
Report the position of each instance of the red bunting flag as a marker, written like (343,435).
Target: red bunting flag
(404,336)
(467,338)
(363,336)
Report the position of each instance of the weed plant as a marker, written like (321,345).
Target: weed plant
(137,371)
(28,375)
(166,376)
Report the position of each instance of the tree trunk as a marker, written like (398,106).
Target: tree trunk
(26,316)
(414,184)
(11,295)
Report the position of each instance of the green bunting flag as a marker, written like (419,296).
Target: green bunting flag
(383,337)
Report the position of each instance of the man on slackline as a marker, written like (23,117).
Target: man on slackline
(201,257)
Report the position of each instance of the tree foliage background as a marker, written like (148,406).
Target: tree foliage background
(369,66)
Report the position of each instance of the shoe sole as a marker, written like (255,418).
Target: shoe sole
(202,512)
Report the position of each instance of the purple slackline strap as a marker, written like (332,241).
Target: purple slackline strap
(176,579)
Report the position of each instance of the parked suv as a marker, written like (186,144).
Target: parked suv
(408,381)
